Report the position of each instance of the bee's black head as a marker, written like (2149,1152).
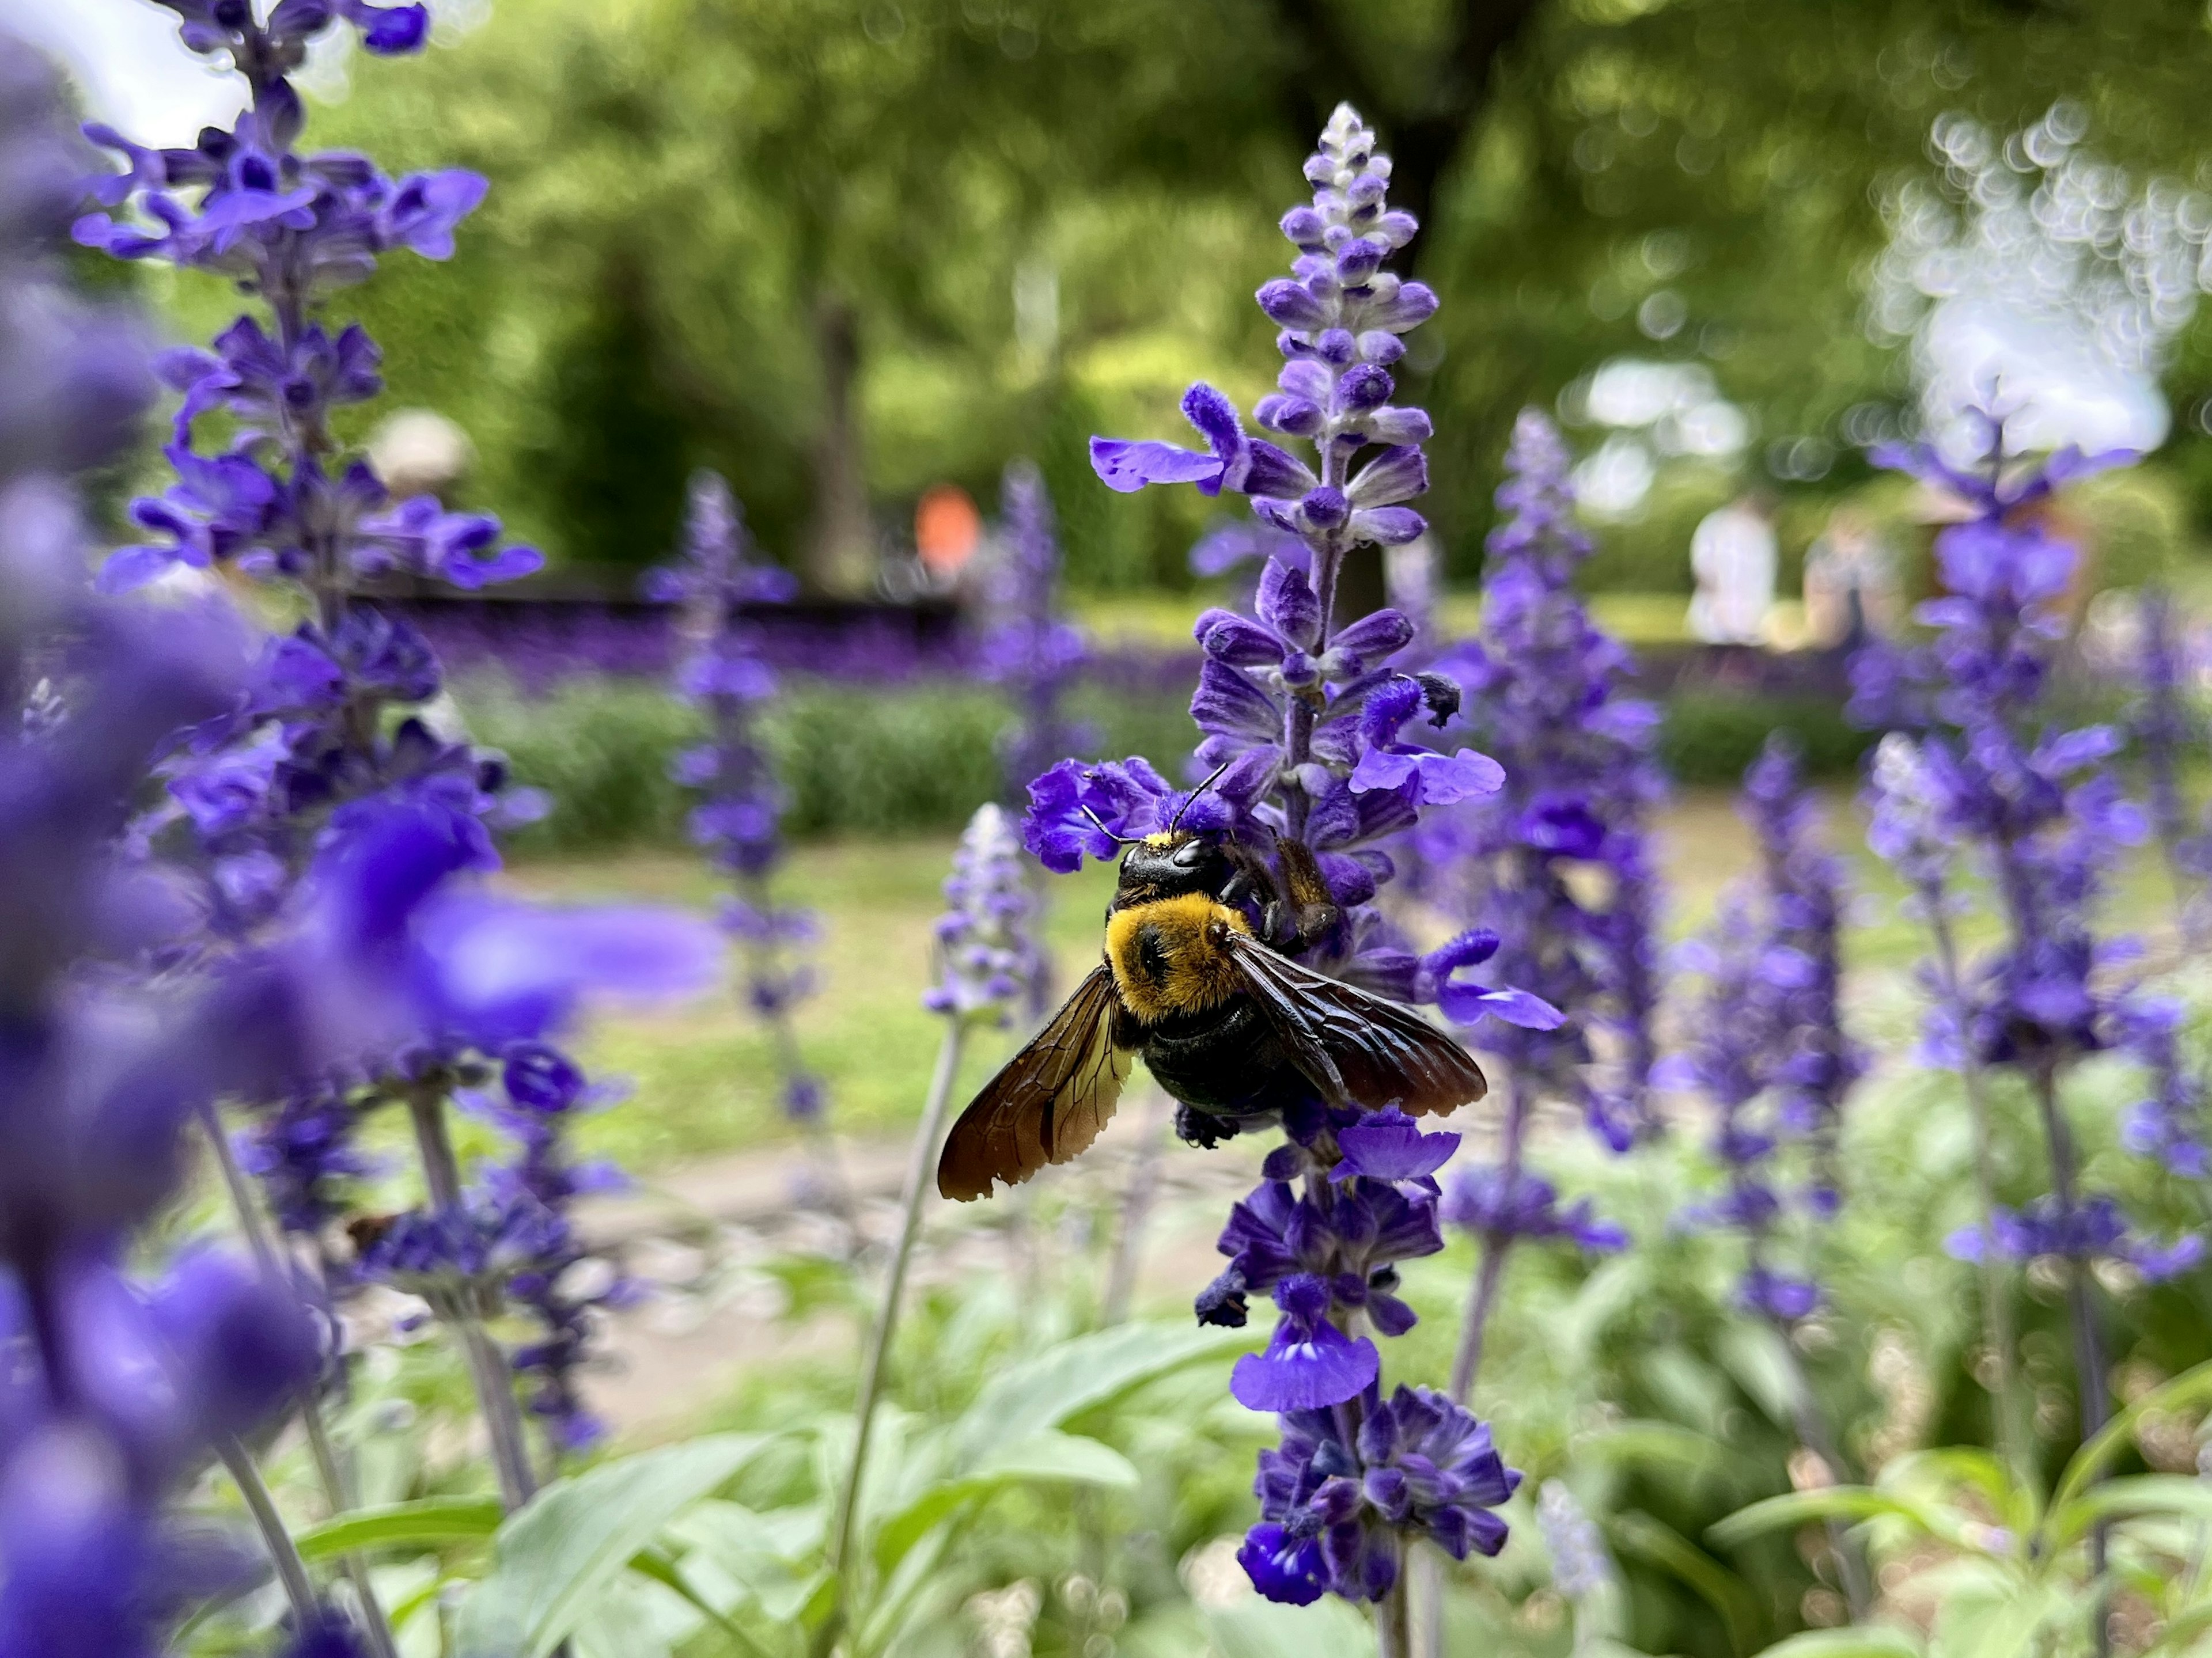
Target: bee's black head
(1176,861)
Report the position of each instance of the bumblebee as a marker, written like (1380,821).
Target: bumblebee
(1226,1020)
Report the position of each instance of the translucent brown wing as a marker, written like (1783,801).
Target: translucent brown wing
(1046,1104)
(1357,1048)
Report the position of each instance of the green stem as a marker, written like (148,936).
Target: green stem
(2082,1313)
(923,1156)
(2013,1438)
(1813,1435)
(1393,1631)
(488,1367)
(283,1553)
(328,1470)
(1136,1207)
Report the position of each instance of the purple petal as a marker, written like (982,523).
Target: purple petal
(1305,1372)
(1128,464)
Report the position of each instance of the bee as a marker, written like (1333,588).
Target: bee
(1225,1019)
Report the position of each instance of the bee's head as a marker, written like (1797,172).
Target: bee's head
(1176,861)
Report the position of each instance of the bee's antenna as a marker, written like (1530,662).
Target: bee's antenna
(1118,840)
(1195,793)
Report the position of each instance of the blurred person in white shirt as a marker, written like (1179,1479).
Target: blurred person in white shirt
(1733,556)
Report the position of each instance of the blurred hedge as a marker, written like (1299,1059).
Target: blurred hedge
(893,759)
(1710,737)
(868,760)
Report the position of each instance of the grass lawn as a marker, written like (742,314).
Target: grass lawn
(703,1075)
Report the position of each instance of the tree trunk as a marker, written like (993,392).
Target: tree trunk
(840,544)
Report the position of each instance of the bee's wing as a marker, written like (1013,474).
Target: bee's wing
(1046,1104)
(1353,1045)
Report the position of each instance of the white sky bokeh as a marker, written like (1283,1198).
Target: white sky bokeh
(136,74)
(134,71)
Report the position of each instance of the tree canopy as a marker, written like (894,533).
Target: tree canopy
(1032,222)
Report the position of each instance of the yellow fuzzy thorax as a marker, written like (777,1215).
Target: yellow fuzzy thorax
(1166,959)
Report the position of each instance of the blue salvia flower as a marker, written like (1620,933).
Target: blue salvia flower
(2164,730)
(2044,817)
(1806,891)
(739,821)
(1767,1047)
(1543,684)
(118,1387)
(1305,719)
(1337,1510)
(1580,1566)
(1029,647)
(321,804)
(987,949)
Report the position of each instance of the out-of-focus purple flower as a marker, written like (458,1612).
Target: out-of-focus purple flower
(1480,1200)
(116,1387)
(1767,1046)
(1543,690)
(1580,1566)
(2095,1228)
(738,821)
(1337,1515)
(986,940)
(2041,815)
(1028,646)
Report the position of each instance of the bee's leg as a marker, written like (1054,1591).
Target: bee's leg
(1202,1128)
(1252,883)
(1307,910)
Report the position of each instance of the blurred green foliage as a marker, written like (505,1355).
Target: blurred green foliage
(1709,736)
(854,760)
(873,760)
(680,186)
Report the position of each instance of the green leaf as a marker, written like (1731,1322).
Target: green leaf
(1043,1458)
(1847,1502)
(1667,1446)
(2001,1626)
(2191,1386)
(1864,1640)
(577,1535)
(650,1563)
(1078,1375)
(1638,1534)
(1261,1629)
(1754,1356)
(772,1556)
(425,1523)
(2117,1499)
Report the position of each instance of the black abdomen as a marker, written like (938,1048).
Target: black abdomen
(1225,1061)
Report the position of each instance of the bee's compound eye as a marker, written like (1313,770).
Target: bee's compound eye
(1189,854)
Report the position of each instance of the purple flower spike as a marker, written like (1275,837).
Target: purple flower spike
(737,823)
(1310,1362)
(1309,765)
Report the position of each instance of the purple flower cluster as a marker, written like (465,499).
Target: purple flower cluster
(323,804)
(987,956)
(1028,646)
(1336,1507)
(738,821)
(1543,685)
(1768,1048)
(117,1388)
(1305,720)
(244,203)
(2039,809)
